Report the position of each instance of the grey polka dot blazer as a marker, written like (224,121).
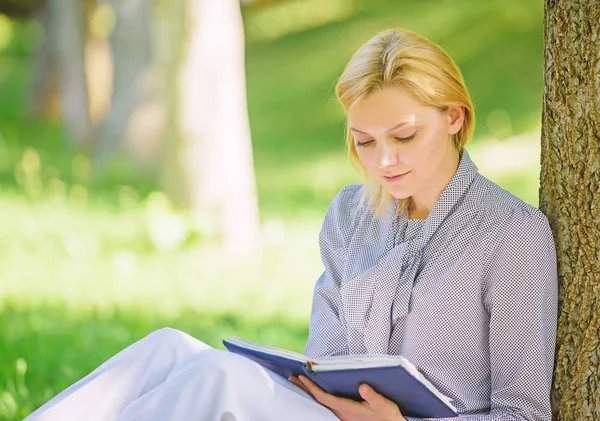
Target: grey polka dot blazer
(468,295)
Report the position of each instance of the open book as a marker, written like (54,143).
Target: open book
(393,376)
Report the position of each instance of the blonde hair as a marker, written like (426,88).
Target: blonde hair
(397,57)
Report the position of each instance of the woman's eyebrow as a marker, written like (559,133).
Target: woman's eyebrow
(387,131)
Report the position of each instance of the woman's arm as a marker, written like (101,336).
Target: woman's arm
(522,300)
(327,331)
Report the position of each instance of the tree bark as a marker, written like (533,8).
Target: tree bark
(215,150)
(570,197)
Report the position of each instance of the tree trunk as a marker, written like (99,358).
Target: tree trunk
(216,151)
(66,32)
(20,9)
(134,120)
(570,197)
(43,86)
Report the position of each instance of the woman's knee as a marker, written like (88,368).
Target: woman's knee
(177,339)
(165,334)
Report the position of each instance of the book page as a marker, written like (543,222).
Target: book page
(267,349)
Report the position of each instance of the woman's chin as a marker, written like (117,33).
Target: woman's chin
(398,193)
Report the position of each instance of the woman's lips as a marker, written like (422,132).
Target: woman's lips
(395,178)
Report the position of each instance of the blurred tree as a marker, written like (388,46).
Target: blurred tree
(133,83)
(570,197)
(66,32)
(178,74)
(60,64)
(20,9)
(211,148)
(43,87)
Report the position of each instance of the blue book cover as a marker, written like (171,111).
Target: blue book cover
(392,376)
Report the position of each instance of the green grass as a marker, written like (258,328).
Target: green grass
(44,349)
(87,268)
(80,284)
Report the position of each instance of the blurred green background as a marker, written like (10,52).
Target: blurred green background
(89,265)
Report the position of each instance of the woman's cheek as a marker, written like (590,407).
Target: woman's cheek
(368,161)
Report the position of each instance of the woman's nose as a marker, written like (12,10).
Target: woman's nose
(386,155)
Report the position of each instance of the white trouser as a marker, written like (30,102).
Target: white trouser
(170,376)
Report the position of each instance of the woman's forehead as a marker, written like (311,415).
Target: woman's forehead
(386,110)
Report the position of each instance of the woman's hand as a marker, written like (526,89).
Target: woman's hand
(374,407)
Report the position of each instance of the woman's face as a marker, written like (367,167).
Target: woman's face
(404,145)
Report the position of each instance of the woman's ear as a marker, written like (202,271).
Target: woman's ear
(456,117)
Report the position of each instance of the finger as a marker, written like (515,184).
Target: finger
(376,401)
(319,394)
(327,399)
(298,383)
(312,387)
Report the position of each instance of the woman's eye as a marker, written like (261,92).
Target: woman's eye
(368,142)
(405,139)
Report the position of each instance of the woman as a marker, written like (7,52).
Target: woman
(427,259)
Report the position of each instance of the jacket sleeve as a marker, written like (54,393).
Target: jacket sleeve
(327,334)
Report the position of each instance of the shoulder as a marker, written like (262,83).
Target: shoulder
(505,209)
(347,200)
(514,227)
